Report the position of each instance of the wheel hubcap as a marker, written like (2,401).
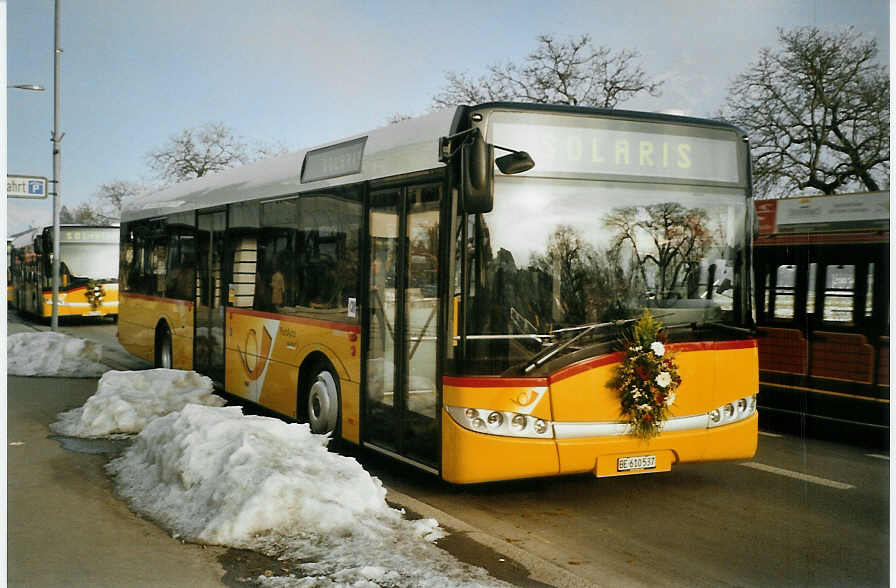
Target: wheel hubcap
(323,404)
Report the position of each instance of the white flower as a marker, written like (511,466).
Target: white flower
(636,394)
(670,398)
(635,348)
(658,348)
(663,379)
(645,407)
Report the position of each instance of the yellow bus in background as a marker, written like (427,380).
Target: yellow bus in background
(88,271)
(398,291)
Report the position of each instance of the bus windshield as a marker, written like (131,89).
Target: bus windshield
(96,261)
(557,255)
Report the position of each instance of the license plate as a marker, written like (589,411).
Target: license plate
(640,462)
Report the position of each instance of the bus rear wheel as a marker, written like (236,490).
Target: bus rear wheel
(321,399)
(163,355)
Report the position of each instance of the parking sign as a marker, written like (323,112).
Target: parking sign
(26,187)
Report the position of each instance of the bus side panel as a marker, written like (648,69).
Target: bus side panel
(138,317)
(265,352)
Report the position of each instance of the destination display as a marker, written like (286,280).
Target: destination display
(333,161)
(88,236)
(612,147)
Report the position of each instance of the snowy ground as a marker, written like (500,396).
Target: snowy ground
(210,474)
(54,355)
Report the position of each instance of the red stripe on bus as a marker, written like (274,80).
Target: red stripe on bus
(492,382)
(713,345)
(154,298)
(295,319)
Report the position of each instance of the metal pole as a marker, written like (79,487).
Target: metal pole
(57,163)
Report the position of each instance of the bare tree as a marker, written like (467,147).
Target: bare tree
(195,152)
(569,72)
(817,111)
(110,196)
(667,236)
(82,214)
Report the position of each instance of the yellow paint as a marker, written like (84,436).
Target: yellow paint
(469,457)
(75,302)
(710,378)
(508,399)
(264,354)
(137,320)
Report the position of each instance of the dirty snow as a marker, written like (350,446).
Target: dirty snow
(211,474)
(125,402)
(52,354)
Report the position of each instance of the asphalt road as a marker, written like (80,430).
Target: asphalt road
(801,513)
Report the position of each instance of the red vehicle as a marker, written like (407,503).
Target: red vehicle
(822,297)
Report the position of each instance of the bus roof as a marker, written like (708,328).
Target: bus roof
(404,147)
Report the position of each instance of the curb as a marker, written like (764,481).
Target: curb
(540,570)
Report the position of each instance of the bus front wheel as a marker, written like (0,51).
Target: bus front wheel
(164,353)
(321,398)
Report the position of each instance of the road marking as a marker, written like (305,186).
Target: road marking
(770,434)
(798,475)
(883,457)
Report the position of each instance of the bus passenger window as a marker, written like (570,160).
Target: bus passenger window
(839,293)
(784,291)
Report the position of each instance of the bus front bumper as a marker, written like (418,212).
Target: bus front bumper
(470,457)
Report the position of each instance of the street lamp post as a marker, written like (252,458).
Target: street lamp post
(56,138)
(57,163)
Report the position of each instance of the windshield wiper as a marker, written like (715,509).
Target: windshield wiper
(724,327)
(547,354)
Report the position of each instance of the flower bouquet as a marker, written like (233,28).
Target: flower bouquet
(647,379)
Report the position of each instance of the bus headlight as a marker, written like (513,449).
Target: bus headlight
(503,423)
(732,412)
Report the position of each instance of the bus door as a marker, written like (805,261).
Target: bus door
(401,409)
(208,339)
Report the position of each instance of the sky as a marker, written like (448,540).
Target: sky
(300,74)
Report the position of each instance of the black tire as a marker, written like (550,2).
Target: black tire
(320,399)
(164,356)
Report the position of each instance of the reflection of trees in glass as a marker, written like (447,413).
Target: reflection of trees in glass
(589,285)
(667,236)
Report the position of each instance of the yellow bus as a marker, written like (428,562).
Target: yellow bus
(399,291)
(88,271)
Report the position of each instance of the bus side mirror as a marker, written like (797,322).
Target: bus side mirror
(515,162)
(478,175)
(38,244)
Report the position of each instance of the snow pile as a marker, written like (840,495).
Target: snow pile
(125,402)
(213,475)
(47,353)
